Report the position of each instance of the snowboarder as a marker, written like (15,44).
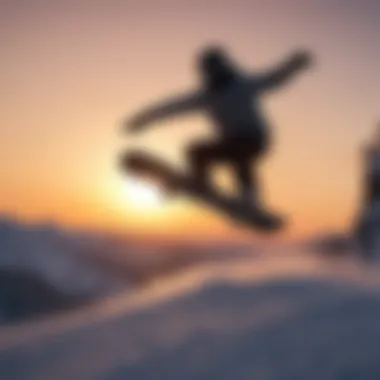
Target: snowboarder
(231,98)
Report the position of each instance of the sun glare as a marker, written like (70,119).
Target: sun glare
(143,194)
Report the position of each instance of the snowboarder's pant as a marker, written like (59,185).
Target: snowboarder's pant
(241,153)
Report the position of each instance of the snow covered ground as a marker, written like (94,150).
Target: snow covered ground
(45,269)
(294,317)
(55,256)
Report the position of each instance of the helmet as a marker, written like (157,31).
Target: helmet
(215,67)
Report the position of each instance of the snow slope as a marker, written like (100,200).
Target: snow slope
(277,318)
(55,256)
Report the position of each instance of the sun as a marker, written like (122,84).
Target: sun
(143,194)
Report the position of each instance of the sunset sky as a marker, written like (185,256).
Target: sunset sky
(70,71)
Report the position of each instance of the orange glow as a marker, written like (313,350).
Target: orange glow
(70,74)
(144,195)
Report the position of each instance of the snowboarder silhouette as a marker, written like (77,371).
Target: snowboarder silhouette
(230,97)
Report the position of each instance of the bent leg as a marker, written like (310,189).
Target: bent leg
(242,154)
(246,156)
(200,156)
(245,177)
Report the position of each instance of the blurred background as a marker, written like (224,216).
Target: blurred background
(100,278)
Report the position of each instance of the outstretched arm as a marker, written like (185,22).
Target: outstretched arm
(283,73)
(166,109)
